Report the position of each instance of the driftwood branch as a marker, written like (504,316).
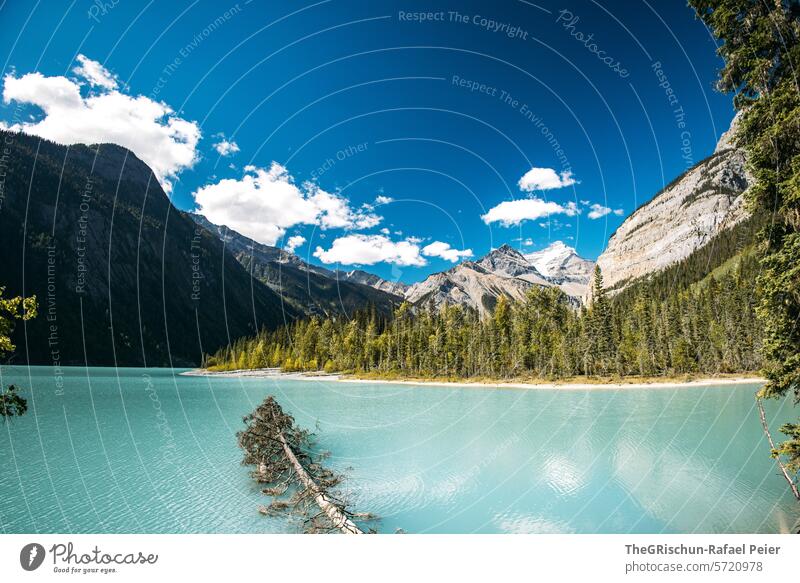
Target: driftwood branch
(784,471)
(334,512)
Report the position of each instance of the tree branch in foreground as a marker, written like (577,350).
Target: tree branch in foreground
(278,450)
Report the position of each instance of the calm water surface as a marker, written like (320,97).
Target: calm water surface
(134,450)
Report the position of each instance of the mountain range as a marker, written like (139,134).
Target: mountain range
(312,289)
(503,272)
(123,277)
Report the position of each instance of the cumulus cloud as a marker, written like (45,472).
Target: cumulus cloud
(335,211)
(597,211)
(443,250)
(513,212)
(545,179)
(94,73)
(383,199)
(263,203)
(294,242)
(165,142)
(360,249)
(226,148)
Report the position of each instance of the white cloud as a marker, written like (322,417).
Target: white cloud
(264,203)
(443,250)
(294,242)
(383,199)
(597,211)
(513,212)
(545,179)
(226,148)
(370,249)
(95,73)
(385,231)
(165,142)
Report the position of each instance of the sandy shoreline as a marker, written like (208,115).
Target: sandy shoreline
(276,374)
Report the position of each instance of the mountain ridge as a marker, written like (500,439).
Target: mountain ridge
(308,288)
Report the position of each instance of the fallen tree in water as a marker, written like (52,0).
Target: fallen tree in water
(300,484)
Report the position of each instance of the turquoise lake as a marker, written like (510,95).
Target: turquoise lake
(151,451)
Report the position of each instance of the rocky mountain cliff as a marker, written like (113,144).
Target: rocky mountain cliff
(503,272)
(121,276)
(704,201)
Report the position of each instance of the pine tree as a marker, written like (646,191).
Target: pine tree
(600,322)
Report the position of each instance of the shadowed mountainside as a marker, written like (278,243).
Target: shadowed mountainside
(121,276)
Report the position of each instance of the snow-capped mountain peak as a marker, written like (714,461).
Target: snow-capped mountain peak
(562,265)
(550,260)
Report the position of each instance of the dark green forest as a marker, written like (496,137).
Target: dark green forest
(696,317)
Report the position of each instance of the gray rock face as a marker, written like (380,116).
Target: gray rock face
(699,204)
(510,263)
(727,138)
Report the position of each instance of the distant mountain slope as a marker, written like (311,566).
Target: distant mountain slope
(478,284)
(307,288)
(397,288)
(687,214)
(122,277)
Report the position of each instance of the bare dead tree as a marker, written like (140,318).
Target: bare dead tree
(787,476)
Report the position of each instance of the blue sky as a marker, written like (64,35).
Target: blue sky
(393,135)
